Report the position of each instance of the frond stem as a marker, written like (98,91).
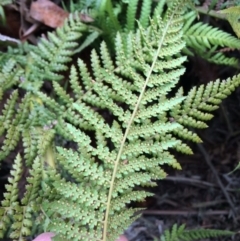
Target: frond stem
(129,126)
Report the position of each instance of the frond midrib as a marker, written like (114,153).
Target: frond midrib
(165,31)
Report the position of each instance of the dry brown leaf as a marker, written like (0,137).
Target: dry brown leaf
(48,13)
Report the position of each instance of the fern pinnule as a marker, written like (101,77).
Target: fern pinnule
(30,139)
(145,13)
(61,92)
(75,86)
(131,14)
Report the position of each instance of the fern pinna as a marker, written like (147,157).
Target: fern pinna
(179,233)
(120,122)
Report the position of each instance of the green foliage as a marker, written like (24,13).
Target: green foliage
(179,233)
(204,40)
(116,113)
(18,214)
(201,39)
(2,13)
(232,15)
(51,56)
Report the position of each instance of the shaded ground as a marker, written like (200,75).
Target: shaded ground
(203,193)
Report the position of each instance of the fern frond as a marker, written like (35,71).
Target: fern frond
(118,120)
(198,234)
(30,71)
(204,39)
(10,74)
(18,53)
(10,201)
(221,59)
(52,54)
(30,204)
(99,161)
(179,233)
(195,109)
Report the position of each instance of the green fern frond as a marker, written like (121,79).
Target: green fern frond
(26,121)
(18,53)
(52,54)
(30,71)
(10,202)
(119,120)
(10,74)
(204,39)
(195,110)
(179,233)
(202,100)
(221,59)
(23,217)
(132,135)
(18,216)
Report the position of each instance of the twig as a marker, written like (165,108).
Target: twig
(211,13)
(208,160)
(192,181)
(185,213)
(228,122)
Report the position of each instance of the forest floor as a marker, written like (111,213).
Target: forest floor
(205,193)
